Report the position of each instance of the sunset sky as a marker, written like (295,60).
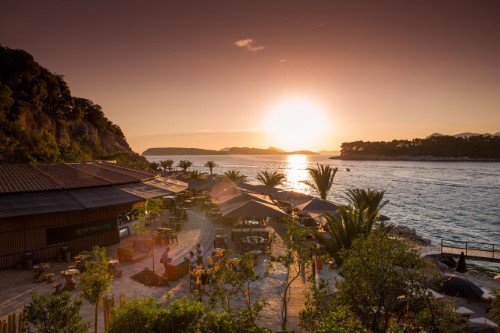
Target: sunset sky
(289,74)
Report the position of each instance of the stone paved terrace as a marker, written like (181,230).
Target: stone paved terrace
(16,286)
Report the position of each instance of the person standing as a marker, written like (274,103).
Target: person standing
(165,259)
(192,261)
(199,254)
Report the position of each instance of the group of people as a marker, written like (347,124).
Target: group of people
(194,261)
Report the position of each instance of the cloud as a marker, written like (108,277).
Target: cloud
(283,61)
(249,44)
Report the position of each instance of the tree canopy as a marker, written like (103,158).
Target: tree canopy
(40,121)
(272,179)
(444,146)
(384,290)
(322,179)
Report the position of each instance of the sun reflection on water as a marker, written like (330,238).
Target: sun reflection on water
(296,172)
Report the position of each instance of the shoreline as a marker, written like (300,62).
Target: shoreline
(411,159)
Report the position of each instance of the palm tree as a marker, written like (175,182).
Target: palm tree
(156,166)
(235,176)
(272,179)
(352,221)
(367,199)
(184,165)
(195,175)
(211,165)
(167,164)
(342,229)
(322,179)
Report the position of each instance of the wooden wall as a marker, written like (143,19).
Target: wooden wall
(20,235)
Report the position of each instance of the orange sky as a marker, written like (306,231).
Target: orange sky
(208,74)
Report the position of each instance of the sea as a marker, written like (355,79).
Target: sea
(455,201)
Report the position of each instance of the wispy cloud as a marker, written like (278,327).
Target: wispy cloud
(283,61)
(249,44)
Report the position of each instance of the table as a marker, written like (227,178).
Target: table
(165,234)
(112,266)
(39,271)
(173,219)
(70,281)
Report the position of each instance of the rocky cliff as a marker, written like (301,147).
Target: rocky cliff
(40,121)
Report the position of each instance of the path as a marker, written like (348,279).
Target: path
(16,286)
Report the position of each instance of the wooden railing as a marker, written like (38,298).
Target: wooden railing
(13,323)
(475,250)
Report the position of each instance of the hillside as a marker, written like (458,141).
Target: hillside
(167,151)
(40,121)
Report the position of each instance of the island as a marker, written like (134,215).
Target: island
(483,148)
(167,151)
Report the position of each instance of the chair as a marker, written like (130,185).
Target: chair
(173,236)
(57,288)
(49,277)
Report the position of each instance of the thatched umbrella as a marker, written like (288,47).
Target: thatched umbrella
(316,204)
(252,208)
(290,196)
(243,197)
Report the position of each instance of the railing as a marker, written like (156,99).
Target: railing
(13,323)
(471,249)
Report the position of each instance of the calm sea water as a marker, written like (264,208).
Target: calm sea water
(459,200)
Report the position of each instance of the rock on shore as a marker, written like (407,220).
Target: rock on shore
(409,234)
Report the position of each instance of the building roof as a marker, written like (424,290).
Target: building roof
(49,188)
(24,178)
(18,178)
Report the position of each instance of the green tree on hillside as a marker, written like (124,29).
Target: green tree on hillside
(272,179)
(322,179)
(47,150)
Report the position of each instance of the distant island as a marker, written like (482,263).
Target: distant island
(437,147)
(166,151)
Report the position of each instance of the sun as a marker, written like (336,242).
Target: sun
(297,124)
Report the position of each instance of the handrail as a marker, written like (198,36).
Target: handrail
(459,241)
(485,247)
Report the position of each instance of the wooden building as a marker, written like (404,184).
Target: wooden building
(48,208)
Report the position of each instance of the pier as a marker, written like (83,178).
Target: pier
(472,250)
